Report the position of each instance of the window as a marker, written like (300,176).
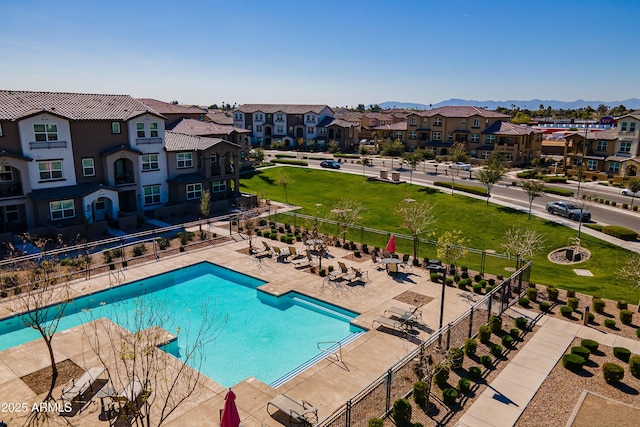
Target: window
(151,194)
(414,121)
(88,167)
(625,147)
(62,209)
(101,203)
(399,134)
(463,121)
(475,137)
(632,127)
(258,128)
(592,165)
(153,127)
(259,117)
(437,121)
(425,121)
(0,129)
(601,146)
(279,129)
(279,117)
(508,156)
(249,127)
(491,139)
(243,157)
(623,127)
(614,167)
(115,127)
(6,173)
(194,191)
(11,213)
(310,130)
(449,137)
(218,186)
(322,131)
(149,162)
(237,116)
(311,118)
(50,170)
(46,132)
(140,130)
(437,136)
(185,160)
(476,122)
(412,134)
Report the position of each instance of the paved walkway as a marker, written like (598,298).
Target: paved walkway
(504,400)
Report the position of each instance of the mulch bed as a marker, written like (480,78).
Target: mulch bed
(413,298)
(39,381)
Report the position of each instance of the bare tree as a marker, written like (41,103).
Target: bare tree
(417,217)
(250,223)
(347,213)
(534,189)
(522,242)
(492,172)
(128,350)
(630,270)
(450,247)
(413,159)
(205,204)
(633,185)
(458,153)
(284,179)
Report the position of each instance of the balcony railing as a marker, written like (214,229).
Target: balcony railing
(140,141)
(13,190)
(125,178)
(35,145)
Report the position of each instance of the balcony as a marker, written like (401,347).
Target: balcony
(36,145)
(155,140)
(11,190)
(124,179)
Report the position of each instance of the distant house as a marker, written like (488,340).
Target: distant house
(175,112)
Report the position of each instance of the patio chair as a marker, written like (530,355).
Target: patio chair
(74,390)
(358,275)
(280,256)
(396,325)
(127,400)
(392,268)
(293,253)
(411,314)
(376,261)
(301,412)
(304,261)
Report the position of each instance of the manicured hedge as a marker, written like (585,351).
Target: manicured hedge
(612,372)
(566,311)
(634,365)
(572,362)
(622,353)
(475,372)
(291,162)
(558,191)
(581,351)
(591,345)
(461,187)
(626,316)
(620,232)
(449,396)
(553,178)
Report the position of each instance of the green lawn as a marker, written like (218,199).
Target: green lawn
(483,225)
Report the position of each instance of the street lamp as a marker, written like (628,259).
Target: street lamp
(433,268)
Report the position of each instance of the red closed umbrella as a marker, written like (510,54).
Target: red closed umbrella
(391,245)
(230,416)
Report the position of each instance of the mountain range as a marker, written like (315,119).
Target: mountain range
(532,104)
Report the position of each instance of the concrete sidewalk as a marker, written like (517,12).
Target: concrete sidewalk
(504,400)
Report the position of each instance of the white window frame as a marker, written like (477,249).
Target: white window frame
(592,165)
(463,121)
(632,127)
(475,137)
(6,174)
(614,167)
(623,127)
(508,156)
(437,136)
(115,127)
(150,162)
(49,132)
(88,167)
(322,131)
(485,154)
(140,131)
(437,121)
(153,129)
(1,129)
(151,194)
(309,130)
(625,147)
(602,145)
(218,186)
(476,122)
(279,117)
(449,137)
(194,191)
(62,209)
(425,120)
(398,134)
(184,160)
(279,129)
(412,134)
(52,169)
(491,139)
(15,209)
(414,121)
(259,128)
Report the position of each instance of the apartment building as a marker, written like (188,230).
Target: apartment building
(174,112)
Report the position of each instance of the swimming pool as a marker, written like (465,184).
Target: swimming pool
(267,337)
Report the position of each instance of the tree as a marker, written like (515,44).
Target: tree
(492,172)
(250,223)
(417,217)
(630,269)
(347,213)
(633,185)
(128,350)
(392,149)
(205,204)
(522,242)
(414,159)
(450,247)
(458,153)
(534,189)
(258,155)
(333,147)
(284,180)
(602,110)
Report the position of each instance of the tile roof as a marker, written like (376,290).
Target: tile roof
(163,107)
(120,148)
(462,111)
(282,108)
(196,127)
(67,192)
(14,155)
(507,128)
(180,142)
(75,106)
(393,126)
(220,117)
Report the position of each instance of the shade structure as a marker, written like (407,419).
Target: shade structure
(230,416)
(391,244)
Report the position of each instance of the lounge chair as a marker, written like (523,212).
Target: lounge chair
(127,398)
(280,256)
(74,390)
(304,261)
(400,326)
(392,268)
(358,275)
(300,412)
(266,250)
(411,314)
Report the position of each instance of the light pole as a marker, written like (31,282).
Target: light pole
(440,269)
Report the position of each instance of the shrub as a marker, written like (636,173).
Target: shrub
(638,332)
(448,281)
(622,353)
(620,232)
(139,249)
(475,372)
(470,346)
(449,396)
(441,375)
(496,349)
(571,293)
(532,294)
(456,355)
(507,340)
(626,316)
(163,243)
(553,293)
(581,351)
(483,283)
(610,323)
(477,278)
(420,393)
(613,372)
(486,361)
(456,278)
(484,334)
(464,385)
(322,272)
(591,345)
(573,303)
(435,277)
(566,311)
(477,288)
(375,422)
(283,238)
(495,323)
(401,412)
(521,322)
(524,301)
(634,365)
(592,317)
(572,362)
(514,332)
(544,306)
(622,305)
(598,305)
(492,282)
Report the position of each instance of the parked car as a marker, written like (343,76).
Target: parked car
(627,192)
(330,164)
(568,210)
(460,165)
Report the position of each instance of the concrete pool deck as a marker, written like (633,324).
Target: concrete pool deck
(328,384)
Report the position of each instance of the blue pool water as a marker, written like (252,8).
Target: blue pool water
(266,337)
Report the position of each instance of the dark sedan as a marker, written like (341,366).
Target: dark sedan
(330,164)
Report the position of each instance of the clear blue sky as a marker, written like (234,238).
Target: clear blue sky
(339,53)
